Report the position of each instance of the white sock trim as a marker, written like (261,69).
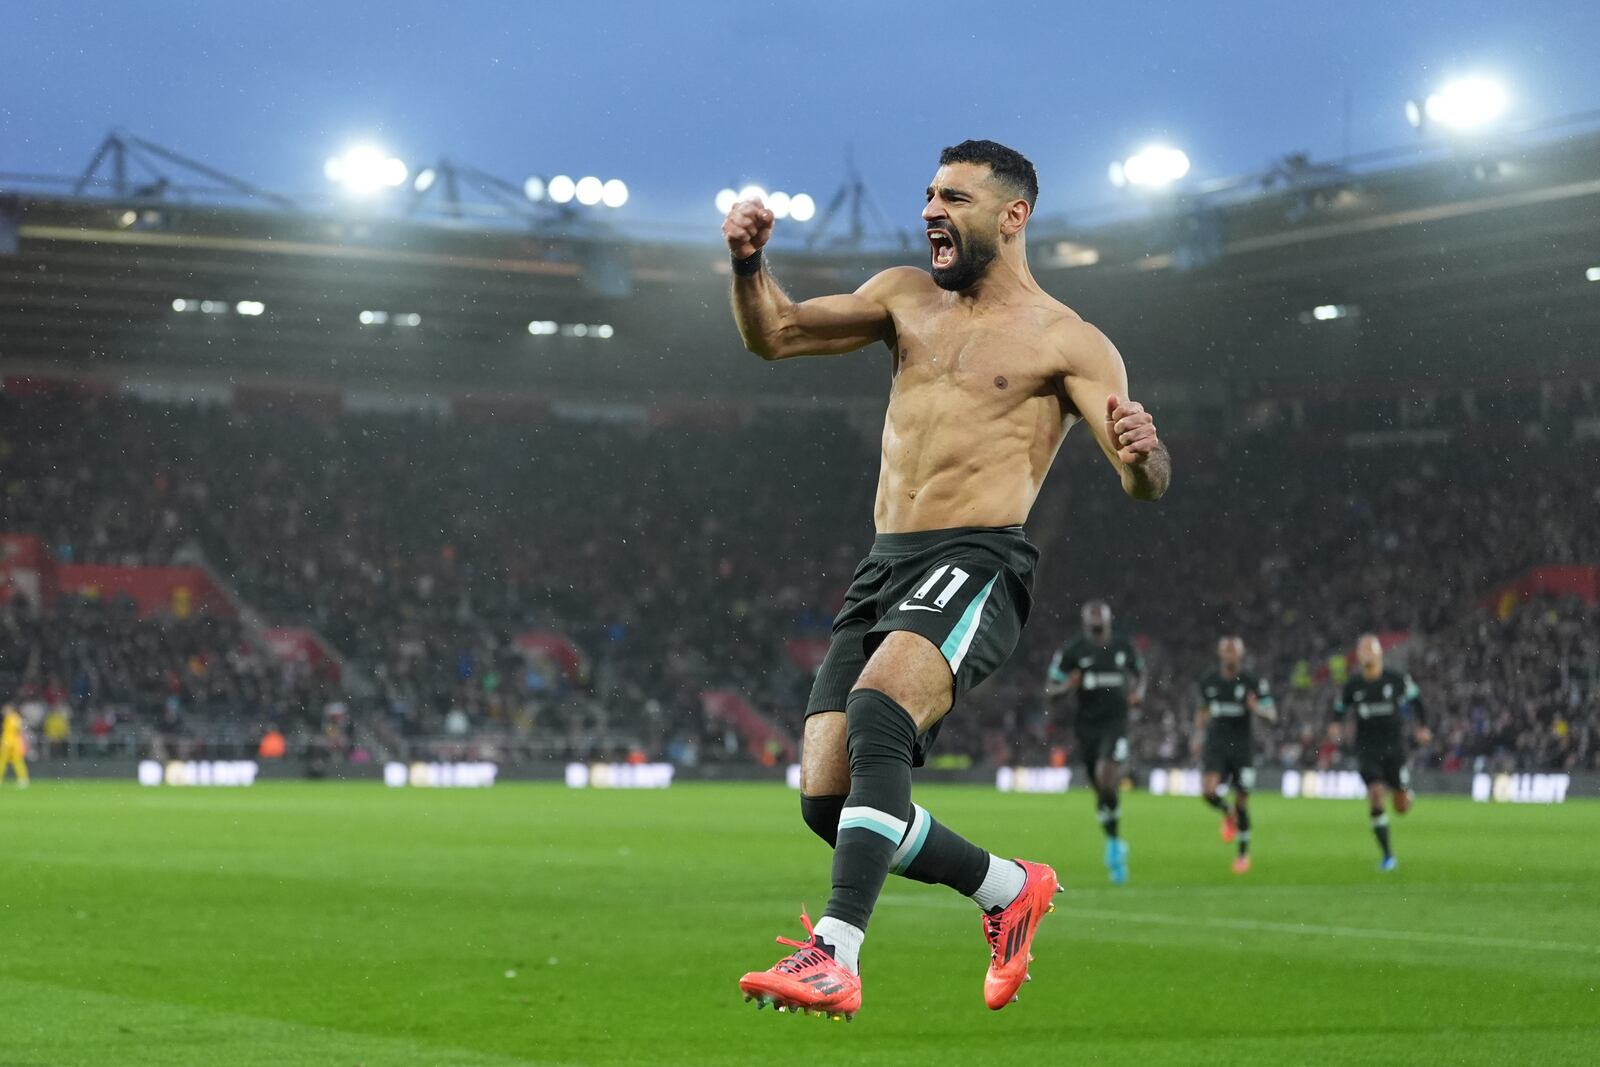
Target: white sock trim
(844,939)
(1001,885)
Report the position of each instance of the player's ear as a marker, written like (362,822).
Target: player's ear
(1015,217)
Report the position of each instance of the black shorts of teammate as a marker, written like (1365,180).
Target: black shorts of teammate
(967,590)
(1232,759)
(1390,766)
(1101,740)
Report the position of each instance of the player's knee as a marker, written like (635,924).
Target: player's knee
(821,814)
(878,728)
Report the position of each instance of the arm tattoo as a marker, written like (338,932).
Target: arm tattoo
(1148,480)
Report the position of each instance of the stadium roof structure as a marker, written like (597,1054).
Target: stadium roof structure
(1472,265)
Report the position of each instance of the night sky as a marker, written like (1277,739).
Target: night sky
(681,98)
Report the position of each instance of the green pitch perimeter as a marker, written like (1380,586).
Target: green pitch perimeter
(529,924)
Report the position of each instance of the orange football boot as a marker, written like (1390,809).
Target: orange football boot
(1010,934)
(807,980)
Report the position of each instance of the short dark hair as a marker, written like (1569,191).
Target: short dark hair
(1007,164)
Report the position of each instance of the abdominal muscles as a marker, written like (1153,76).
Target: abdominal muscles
(951,458)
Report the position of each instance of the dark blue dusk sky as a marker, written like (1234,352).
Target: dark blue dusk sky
(680,98)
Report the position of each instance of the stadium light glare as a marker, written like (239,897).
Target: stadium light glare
(425,179)
(589,190)
(614,193)
(802,207)
(541,327)
(364,170)
(726,198)
(780,204)
(753,192)
(1152,167)
(1463,105)
(410,318)
(185,305)
(562,189)
(1328,312)
(250,308)
(374,318)
(1593,274)
(213,307)
(604,331)
(127,218)
(534,189)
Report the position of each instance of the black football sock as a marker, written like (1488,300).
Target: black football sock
(1380,830)
(1216,801)
(933,853)
(1241,817)
(873,821)
(1109,813)
(822,815)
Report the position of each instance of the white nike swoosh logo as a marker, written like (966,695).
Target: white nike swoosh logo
(908,606)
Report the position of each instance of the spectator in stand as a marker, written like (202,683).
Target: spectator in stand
(273,744)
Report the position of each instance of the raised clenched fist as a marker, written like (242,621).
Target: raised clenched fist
(1132,430)
(747,228)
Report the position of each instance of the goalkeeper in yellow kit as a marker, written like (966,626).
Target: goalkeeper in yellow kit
(12,747)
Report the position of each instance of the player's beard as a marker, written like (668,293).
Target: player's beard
(973,257)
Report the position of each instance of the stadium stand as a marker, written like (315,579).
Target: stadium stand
(527,587)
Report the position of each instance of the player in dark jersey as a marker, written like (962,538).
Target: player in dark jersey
(1229,698)
(1107,674)
(1387,706)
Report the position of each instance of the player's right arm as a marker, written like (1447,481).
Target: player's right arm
(1058,682)
(1336,727)
(775,327)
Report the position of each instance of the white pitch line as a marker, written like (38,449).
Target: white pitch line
(1419,889)
(1303,929)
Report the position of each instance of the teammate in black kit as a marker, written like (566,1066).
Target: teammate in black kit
(1387,705)
(1229,698)
(1107,674)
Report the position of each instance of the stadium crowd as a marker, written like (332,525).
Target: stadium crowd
(680,553)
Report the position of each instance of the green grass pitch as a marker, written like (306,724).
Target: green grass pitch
(529,924)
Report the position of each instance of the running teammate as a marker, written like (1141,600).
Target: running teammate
(1387,706)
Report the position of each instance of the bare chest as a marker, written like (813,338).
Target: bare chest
(995,359)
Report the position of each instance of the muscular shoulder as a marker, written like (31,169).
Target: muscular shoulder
(1081,347)
(892,286)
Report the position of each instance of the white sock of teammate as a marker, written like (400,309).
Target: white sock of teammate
(844,939)
(1001,885)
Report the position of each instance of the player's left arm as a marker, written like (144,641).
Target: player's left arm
(1136,668)
(1413,700)
(1259,701)
(1097,384)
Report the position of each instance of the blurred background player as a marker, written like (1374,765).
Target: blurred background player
(1382,699)
(1229,696)
(13,750)
(1107,674)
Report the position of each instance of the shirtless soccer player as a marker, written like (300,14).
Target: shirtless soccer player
(989,374)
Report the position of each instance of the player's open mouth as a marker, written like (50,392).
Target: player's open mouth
(944,248)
